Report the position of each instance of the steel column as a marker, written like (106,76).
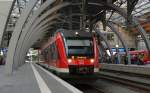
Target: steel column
(111,26)
(105,40)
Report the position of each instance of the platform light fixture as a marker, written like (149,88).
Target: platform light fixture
(87,29)
(76,33)
(117,46)
(1,53)
(108,52)
(93,31)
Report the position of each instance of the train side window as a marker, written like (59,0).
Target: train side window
(50,54)
(45,53)
(51,51)
(55,51)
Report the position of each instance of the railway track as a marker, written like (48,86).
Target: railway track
(128,79)
(86,88)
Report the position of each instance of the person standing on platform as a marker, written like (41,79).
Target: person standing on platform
(116,59)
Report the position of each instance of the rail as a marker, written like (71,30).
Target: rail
(130,79)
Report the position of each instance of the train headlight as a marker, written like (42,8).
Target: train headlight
(69,60)
(92,60)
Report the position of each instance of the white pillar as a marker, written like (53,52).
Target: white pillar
(5,6)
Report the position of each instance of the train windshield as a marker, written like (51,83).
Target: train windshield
(80,47)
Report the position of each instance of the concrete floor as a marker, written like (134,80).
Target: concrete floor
(24,81)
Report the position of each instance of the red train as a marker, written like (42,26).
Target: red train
(73,53)
(140,57)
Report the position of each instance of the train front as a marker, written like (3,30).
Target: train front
(82,54)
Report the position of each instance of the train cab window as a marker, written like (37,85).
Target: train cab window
(80,47)
(78,42)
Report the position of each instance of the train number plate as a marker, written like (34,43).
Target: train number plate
(81,61)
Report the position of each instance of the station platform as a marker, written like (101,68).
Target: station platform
(137,69)
(31,78)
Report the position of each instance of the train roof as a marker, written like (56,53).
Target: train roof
(68,33)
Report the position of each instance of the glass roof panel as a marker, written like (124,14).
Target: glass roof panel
(142,7)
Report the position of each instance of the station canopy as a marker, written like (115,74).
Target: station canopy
(79,15)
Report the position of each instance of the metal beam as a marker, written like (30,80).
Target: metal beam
(143,33)
(36,36)
(37,30)
(8,16)
(101,50)
(33,31)
(16,34)
(27,27)
(106,42)
(130,7)
(18,5)
(135,21)
(37,22)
